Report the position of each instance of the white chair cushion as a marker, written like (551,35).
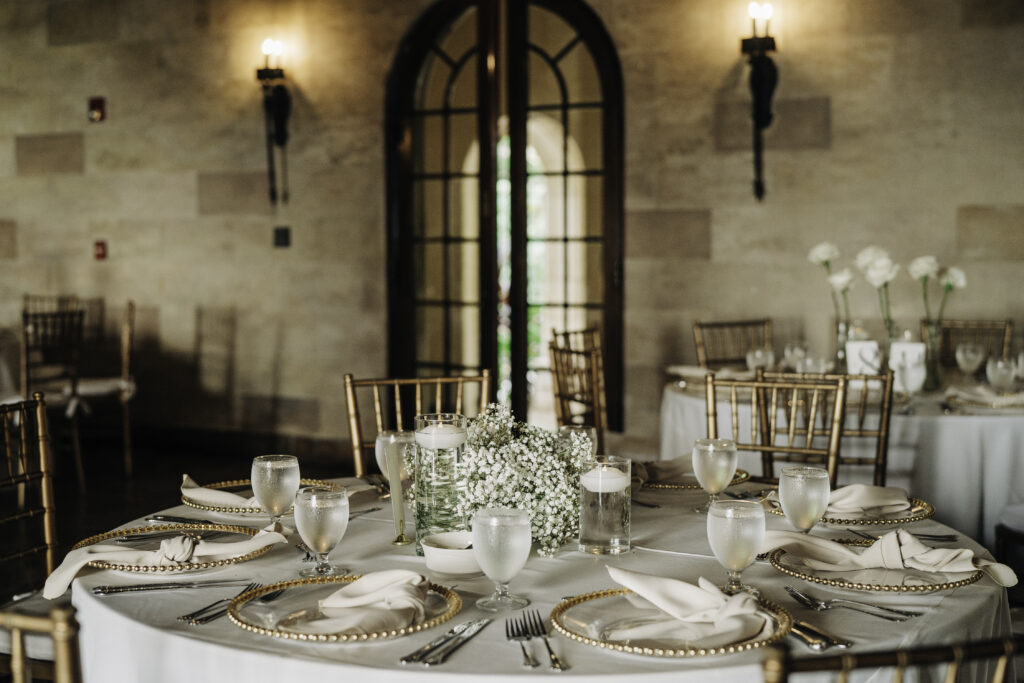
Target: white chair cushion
(1012,516)
(37,646)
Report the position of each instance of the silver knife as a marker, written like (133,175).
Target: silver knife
(170,533)
(815,638)
(164,519)
(441,655)
(419,654)
(141,587)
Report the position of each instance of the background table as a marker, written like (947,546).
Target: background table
(968,465)
(135,637)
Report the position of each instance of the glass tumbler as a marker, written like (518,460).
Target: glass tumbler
(605,505)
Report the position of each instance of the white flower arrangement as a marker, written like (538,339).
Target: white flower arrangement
(824,255)
(879,270)
(926,268)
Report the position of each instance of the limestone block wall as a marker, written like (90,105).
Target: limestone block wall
(897,123)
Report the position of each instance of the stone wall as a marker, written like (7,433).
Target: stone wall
(897,124)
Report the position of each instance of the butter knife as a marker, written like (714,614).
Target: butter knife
(141,587)
(815,638)
(441,655)
(419,654)
(171,519)
(155,535)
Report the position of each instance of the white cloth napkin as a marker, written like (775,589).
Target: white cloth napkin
(860,498)
(895,550)
(380,601)
(215,497)
(661,470)
(984,396)
(698,615)
(172,551)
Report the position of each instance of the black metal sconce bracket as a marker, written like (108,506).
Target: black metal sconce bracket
(764,77)
(277,108)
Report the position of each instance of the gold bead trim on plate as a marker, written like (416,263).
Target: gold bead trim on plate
(783,623)
(451,598)
(238,483)
(162,568)
(927,510)
(740,477)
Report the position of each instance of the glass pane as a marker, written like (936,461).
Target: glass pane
(465,335)
(544,202)
(462,36)
(433,84)
(544,136)
(585,131)
(429,217)
(464,154)
(580,74)
(464,209)
(429,271)
(585,206)
(548,31)
(546,319)
(463,93)
(585,283)
(464,271)
(429,340)
(545,272)
(430,135)
(542,82)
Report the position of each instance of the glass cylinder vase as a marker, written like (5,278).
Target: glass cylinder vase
(440,481)
(842,329)
(932,347)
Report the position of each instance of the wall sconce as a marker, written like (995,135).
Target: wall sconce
(277,107)
(763,79)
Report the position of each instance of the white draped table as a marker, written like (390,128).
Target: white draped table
(135,637)
(969,464)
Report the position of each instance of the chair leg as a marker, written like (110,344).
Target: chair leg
(126,417)
(76,447)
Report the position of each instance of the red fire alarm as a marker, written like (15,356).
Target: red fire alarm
(99,250)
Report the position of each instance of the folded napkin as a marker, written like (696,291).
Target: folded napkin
(172,551)
(698,615)
(661,470)
(695,373)
(215,497)
(860,498)
(984,396)
(895,550)
(380,601)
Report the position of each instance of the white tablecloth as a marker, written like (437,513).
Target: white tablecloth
(969,466)
(135,637)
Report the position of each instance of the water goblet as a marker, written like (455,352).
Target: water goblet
(794,352)
(804,493)
(714,464)
(275,479)
(969,357)
(501,544)
(1001,373)
(736,532)
(321,516)
(565,433)
(760,358)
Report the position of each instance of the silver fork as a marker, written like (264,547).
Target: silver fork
(867,608)
(935,538)
(515,629)
(191,616)
(539,629)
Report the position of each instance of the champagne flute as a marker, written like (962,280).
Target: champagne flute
(804,493)
(321,516)
(391,449)
(736,534)
(275,479)
(714,464)
(501,544)
(565,433)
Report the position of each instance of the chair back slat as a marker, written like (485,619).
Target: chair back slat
(441,388)
(995,336)
(577,378)
(726,342)
(60,626)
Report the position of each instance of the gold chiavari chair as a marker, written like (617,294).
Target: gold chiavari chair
(778,663)
(429,394)
(579,389)
(996,336)
(567,411)
(51,346)
(59,626)
(726,342)
(868,412)
(783,419)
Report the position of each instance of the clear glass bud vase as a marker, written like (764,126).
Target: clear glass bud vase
(932,366)
(842,329)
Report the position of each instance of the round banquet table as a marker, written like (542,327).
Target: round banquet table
(135,637)
(969,463)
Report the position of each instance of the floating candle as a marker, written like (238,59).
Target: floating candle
(440,436)
(604,479)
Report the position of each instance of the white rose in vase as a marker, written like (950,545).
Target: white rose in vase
(868,256)
(923,267)
(881,272)
(823,254)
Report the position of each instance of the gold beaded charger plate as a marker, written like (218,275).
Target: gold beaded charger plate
(919,510)
(586,619)
(880,580)
(294,613)
(227,533)
(242,487)
(689,481)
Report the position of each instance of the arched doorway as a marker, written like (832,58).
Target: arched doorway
(504,168)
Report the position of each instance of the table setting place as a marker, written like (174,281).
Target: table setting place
(715,566)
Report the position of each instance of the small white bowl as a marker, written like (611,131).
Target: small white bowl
(450,553)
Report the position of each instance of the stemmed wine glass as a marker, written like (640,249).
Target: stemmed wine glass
(501,544)
(275,479)
(804,493)
(565,433)
(736,533)
(714,464)
(969,357)
(321,516)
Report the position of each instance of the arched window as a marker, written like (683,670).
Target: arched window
(504,194)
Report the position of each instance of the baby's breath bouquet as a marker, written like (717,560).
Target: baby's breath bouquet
(513,464)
